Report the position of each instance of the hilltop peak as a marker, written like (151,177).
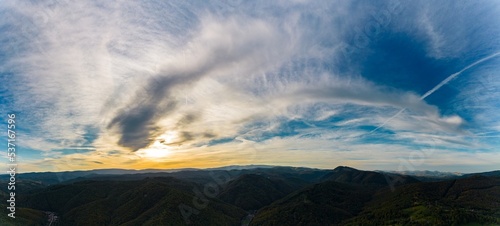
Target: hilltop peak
(344,169)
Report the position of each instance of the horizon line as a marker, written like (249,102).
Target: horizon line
(250,165)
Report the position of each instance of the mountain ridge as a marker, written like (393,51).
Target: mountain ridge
(262,196)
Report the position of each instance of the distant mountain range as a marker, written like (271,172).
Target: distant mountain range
(256,195)
(428,173)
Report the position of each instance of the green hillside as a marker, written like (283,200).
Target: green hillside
(269,196)
(24,216)
(350,175)
(474,200)
(147,202)
(360,200)
(325,203)
(252,192)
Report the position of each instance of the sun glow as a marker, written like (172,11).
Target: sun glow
(158,149)
(154,153)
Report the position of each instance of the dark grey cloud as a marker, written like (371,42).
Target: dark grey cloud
(136,123)
(220,46)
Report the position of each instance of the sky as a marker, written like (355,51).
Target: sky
(375,85)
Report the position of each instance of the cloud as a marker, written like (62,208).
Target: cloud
(219,46)
(227,81)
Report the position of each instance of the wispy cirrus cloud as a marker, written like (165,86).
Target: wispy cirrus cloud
(250,82)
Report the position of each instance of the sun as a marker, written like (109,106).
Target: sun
(154,153)
(158,150)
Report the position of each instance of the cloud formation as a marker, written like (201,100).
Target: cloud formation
(219,46)
(251,82)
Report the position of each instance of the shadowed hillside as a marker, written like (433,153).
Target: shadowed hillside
(325,203)
(260,196)
(455,202)
(147,202)
(361,200)
(350,175)
(251,192)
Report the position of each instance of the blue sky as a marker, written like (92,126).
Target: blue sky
(384,85)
